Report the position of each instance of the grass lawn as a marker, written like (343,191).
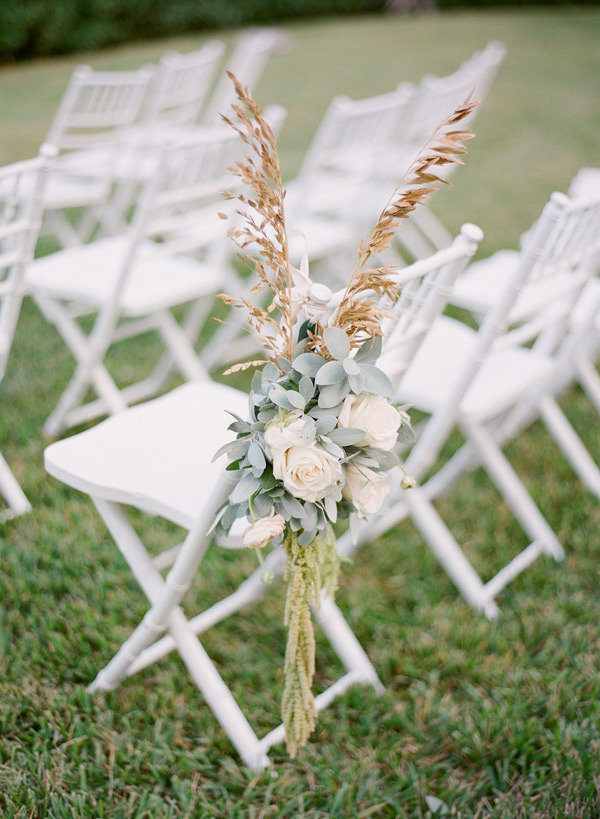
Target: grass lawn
(495,719)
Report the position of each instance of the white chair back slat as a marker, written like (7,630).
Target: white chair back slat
(181,85)
(248,60)
(437,97)
(97,106)
(424,294)
(20,221)
(353,132)
(192,174)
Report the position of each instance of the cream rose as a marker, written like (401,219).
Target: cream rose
(263,530)
(284,433)
(365,489)
(307,472)
(376,416)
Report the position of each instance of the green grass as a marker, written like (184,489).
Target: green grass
(495,719)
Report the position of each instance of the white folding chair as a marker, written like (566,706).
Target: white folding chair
(20,219)
(434,99)
(483,284)
(344,153)
(157,458)
(586,185)
(248,61)
(88,130)
(131,282)
(478,380)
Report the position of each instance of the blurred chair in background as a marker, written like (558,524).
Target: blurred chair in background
(22,186)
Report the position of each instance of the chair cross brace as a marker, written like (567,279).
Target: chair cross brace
(146,645)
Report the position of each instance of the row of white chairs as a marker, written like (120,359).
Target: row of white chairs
(106,118)
(490,383)
(130,275)
(537,310)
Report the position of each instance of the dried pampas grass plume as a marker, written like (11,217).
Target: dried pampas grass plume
(357,315)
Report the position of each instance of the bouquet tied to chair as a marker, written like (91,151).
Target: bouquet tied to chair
(318,443)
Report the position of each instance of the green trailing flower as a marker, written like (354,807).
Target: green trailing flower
(310,570)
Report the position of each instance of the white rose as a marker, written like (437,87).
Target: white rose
(376,416)
(307,472)
(284,433)
(263,530)
(365,489)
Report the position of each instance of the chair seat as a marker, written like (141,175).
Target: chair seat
(156,456)
(502,380)
(483,284)
(87,274)
(62,191)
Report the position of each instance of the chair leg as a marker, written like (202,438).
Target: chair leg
(165,613)
(570,444)
(590,380)
(448,552)
(180,347)
(12,492)
(512,490)
(345,644)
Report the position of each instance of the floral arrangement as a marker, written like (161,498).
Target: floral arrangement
(318,445)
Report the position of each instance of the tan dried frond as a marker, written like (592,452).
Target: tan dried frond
(444,147)
(244,365)
(259,227)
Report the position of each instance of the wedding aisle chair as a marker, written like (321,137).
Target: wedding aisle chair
(251,52)
(174,252)
(174,100)
(157,457)
(482,286)
(97,109)
(476,380)
(586,184)
(20,220)
(434,99)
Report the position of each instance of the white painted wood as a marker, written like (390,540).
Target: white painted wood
(22,187)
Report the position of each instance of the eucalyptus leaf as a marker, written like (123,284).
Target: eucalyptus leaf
(320,412)
(330,396)
(386,460)
(306,537)
(346,436)
(337,342)
(262,504)
(325,424)
(306,387)
(406,434)
(330,373)
(245,488)
(295,524)
(234,449)
(369,351)
(376,381)
(350,366)
(309,519)
(292,506)
(308,364)
(333,449)
(285,364)
(356,383)
(256,456)
(270,372)
(295,399)
(331,508)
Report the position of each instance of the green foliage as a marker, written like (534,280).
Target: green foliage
(31,28)
(496,719)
